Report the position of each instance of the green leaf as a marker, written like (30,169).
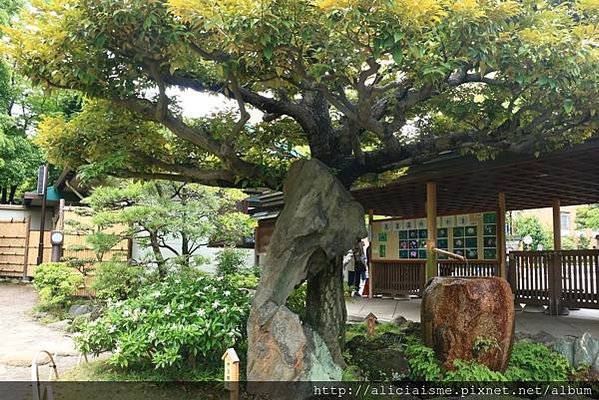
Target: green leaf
(397,54)
(568,105)
(268,52)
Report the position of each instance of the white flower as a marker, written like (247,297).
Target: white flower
(167,310)
(220,278)
(181,306)
(223,310)
(201,312)
(226,293)
(152,335)
(126,313)
(156,294)
(215,304)
(112,329)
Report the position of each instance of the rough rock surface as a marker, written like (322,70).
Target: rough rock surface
(580,351)
(541,337)
(79,309)
(469,319)
(24,358)
(320,218)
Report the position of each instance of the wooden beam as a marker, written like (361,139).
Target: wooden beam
(501,245)
(431,223)
(369,255)
(557,226)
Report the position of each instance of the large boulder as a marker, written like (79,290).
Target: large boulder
(469,319)
(79,309)
(319,223)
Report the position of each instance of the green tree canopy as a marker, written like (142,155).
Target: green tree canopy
(530,225)
(588,217)
(21,108)
(367,86)
(155,213)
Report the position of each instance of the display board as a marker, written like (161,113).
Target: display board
(471,235)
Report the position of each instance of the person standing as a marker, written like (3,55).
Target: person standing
(360,265)
(349,267)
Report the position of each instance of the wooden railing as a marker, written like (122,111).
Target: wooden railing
(580,278)
(407,277)
(567,278)
(470,269)
(398,277)
(529,273)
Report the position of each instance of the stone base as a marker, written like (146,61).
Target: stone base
(534,309)
(518,307)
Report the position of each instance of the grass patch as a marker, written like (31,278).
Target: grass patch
(103,381)
(101,370)
(361,329)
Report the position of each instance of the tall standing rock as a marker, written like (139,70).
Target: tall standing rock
(469,319)
(318,224)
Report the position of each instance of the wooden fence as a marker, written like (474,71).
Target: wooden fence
(471,268)
(19,247)
(398,277)
(568,278)
(14,246)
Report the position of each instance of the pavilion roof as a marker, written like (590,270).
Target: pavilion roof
(465,184)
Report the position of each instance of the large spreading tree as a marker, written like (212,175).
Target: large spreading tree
(363,86)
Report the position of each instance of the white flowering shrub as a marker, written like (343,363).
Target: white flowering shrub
(173,323)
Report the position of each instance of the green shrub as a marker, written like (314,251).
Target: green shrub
(296,302)
(536,362)
(471,371)
(172,323)
(229,261)
(422,361)
(246,279)
(117,280)
(56,283)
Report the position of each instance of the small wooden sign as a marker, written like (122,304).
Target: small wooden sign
(231,360)
(371,324)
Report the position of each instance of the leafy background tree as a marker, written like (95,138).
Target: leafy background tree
(530,225)
(21,108)
(156,213)
(367,87)
(588,217)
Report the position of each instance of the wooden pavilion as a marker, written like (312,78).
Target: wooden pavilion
(458,204)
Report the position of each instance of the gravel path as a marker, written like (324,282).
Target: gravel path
(21,337)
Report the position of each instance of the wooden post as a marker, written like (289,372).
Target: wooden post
(26,250)
(557,226)
(501,245)
(555,266)
(371,324)
(369,255)
(431,219)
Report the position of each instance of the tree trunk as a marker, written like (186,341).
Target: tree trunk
(325,304)
(11,196)
(4,195)
(158,255)
(317,226)
(185,248)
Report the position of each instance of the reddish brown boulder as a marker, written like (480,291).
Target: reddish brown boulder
(469,319)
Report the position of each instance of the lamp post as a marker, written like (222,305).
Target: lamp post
(42,186)
(56,238)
